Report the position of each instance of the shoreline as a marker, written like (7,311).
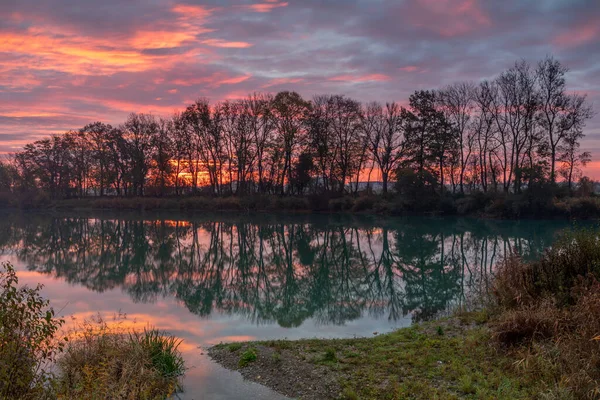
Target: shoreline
(470,206)
(447,358)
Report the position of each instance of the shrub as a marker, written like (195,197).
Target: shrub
(28,326)
(319,202)
(341,204)
(104,361)
(575,254)
(550,314)
(363,203)
(247,357)
(447,206)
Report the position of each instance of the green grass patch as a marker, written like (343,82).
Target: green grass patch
(233,347)
(248,357)
(420,363)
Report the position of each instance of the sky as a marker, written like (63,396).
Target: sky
(65,63)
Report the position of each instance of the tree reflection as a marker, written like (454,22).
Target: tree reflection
(276,271)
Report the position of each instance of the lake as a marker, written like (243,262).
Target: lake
(221,278)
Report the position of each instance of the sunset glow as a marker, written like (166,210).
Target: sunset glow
(64,66)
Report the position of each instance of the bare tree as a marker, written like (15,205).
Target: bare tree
(383,127)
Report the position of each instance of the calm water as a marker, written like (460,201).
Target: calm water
(215,278)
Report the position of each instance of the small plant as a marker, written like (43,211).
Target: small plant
(330,355)
(162,350)
(248,357)
(349,394)
(233,347)
(276,357)
(466,385)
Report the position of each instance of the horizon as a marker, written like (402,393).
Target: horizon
(65,66)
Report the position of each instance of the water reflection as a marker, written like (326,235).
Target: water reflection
(268,269)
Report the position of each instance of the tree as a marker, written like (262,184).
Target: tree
(572,158)
(303,169)
(163,154)
(519,102)
(261,125)
(289,111)
(457,103)
(560,113)
(346,127)
(427,136)
(140,131)
(96,138)
(384,131)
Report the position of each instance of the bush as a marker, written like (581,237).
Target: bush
(550,314)
(363,203)
(28,326)
(248,357)
(319,202)
(341,204)
(575,254)
(107,362)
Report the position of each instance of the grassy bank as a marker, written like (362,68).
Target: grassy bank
(538,338)
(444,360)
(489,205)
(96,360)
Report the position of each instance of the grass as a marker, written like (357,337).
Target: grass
(247,357)
(105,362)
(418,363)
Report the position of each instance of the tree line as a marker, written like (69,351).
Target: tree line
(497,135)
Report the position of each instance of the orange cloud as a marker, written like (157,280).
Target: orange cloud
(226,44)
(233,81)
(192,11)
(266,7)
(216,79)
(592,170)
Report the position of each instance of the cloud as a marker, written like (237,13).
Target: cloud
(66,63)
(266,7)
(361,78)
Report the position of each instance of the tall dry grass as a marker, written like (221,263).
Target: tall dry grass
(549,315)
(104,361)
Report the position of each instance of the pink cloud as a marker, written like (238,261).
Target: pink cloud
(409,68)
(578,35)
(282,81)
(448,18)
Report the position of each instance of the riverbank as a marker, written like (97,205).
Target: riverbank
(483,205)
(451,358)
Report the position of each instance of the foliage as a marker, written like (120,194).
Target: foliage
(575,254)
(28,343)
(247,357)
(104,361)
